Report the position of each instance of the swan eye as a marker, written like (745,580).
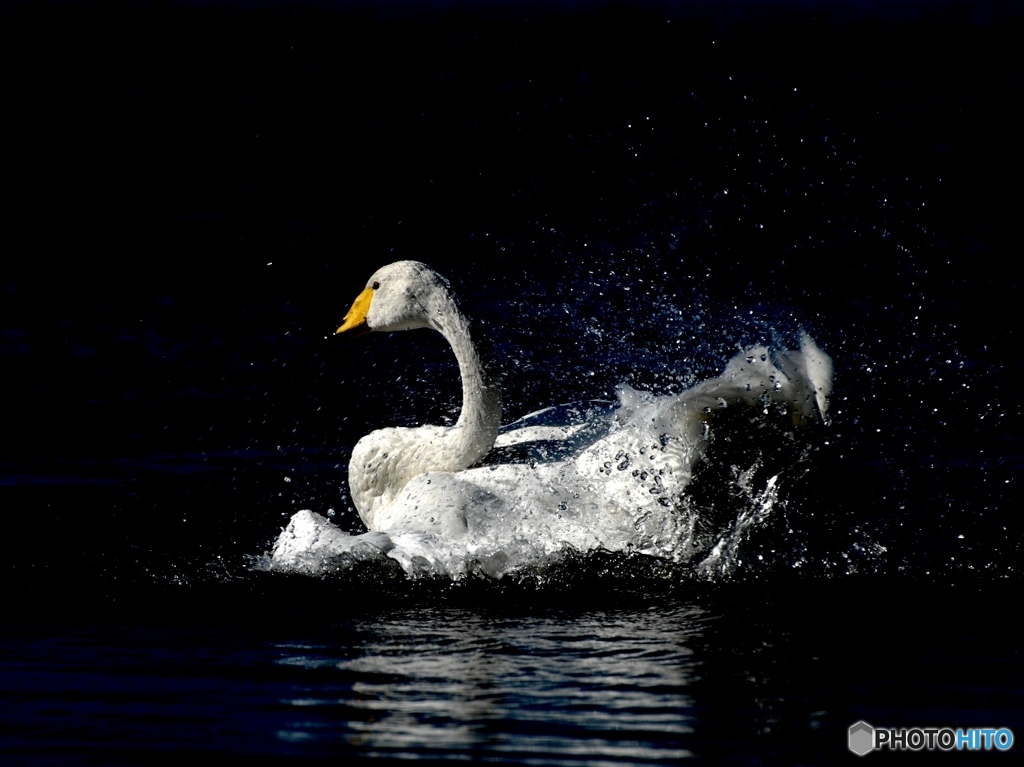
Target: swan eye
(376,285)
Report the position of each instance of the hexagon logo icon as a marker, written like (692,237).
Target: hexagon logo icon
(862,738)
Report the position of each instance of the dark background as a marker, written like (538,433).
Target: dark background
(191,194)
(194,192)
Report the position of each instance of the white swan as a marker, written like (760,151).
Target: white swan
(403,296)
(615,482)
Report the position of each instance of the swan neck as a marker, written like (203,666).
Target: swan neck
(478,423)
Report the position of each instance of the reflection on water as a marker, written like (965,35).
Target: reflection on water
(763,675)
(609,685)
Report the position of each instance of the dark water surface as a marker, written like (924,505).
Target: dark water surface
(196,192)
(734,675)
(738,676)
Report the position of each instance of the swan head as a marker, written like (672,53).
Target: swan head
(400,296)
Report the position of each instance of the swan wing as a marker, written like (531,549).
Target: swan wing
(553,434)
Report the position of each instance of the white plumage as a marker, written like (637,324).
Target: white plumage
(611,477)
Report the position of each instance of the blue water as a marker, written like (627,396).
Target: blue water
(195,194)
(736,675)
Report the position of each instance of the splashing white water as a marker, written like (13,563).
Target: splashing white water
(589,477)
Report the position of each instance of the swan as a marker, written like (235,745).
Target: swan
(612,477)
(403,296)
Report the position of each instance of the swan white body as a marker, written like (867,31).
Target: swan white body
(614,481)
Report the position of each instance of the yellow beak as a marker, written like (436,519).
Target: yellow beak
(357,314)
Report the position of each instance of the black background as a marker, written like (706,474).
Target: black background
(193,193)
